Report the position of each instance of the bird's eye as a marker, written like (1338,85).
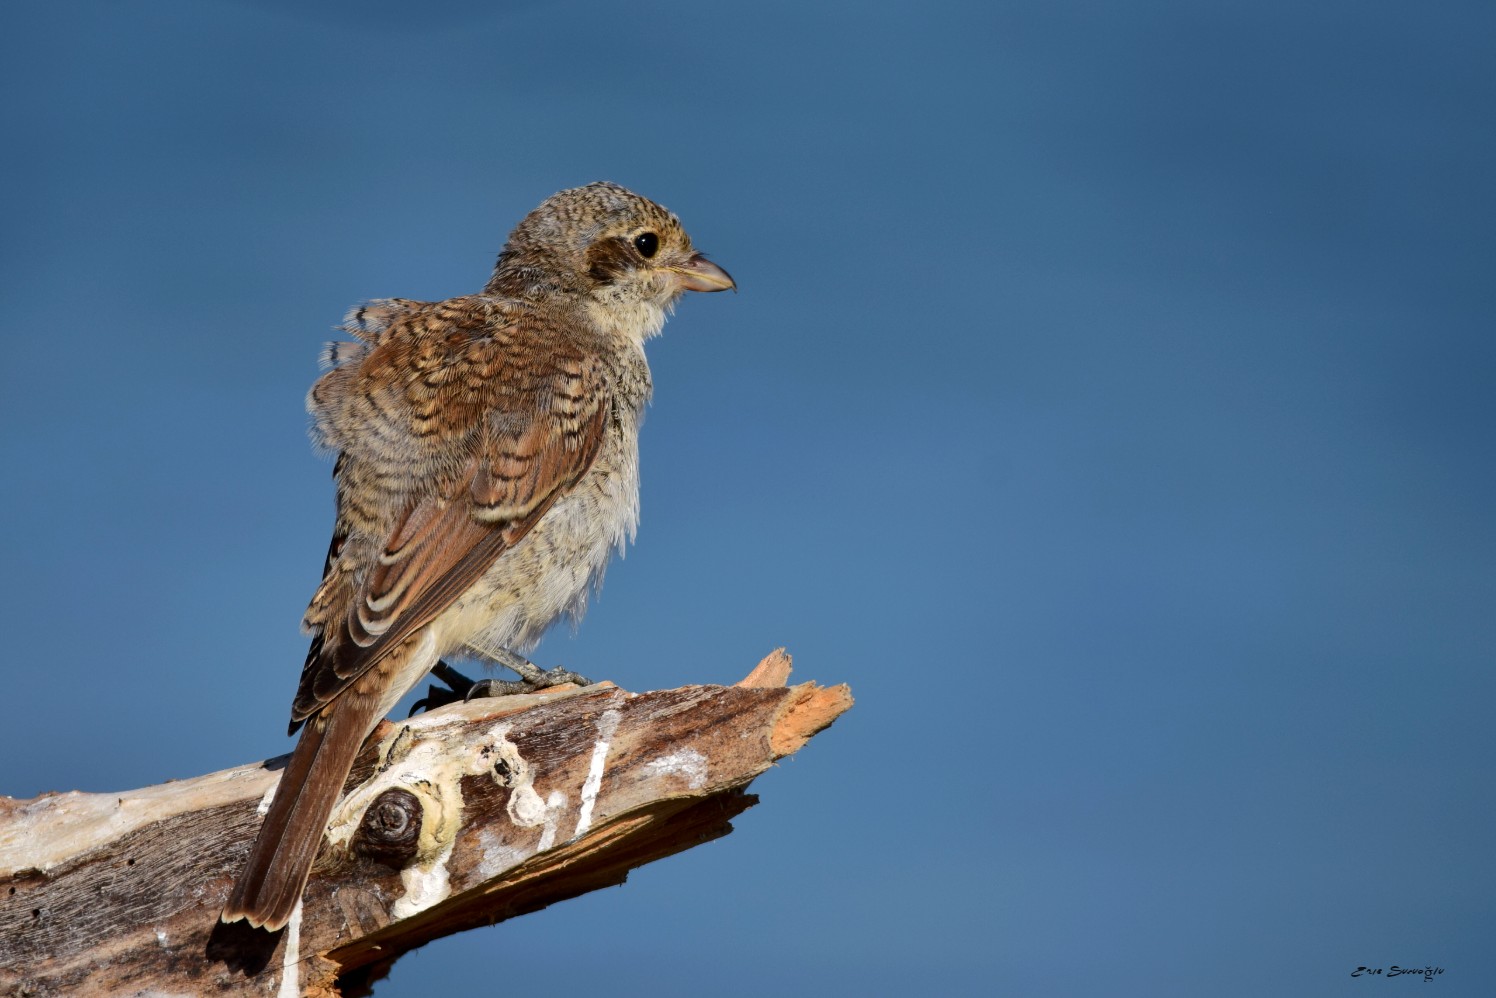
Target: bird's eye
(647,243)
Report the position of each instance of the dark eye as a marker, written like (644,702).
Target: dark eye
(647,243)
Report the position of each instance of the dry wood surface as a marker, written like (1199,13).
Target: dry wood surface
(464,816)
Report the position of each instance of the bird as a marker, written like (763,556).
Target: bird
(486,470)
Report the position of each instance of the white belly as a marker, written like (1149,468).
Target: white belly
(549,574)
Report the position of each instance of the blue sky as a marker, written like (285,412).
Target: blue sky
(1109,400)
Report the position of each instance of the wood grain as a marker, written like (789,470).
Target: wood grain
(462,817)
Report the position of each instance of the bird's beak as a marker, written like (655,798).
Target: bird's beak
(701,274)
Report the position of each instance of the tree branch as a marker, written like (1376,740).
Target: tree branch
(461,817)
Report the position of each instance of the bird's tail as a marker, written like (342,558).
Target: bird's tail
(273,878)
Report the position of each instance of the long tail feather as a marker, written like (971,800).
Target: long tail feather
(276,873)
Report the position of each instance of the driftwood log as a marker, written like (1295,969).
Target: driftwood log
(461,817)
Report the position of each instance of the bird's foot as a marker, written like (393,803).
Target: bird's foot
(532,678)
(460,688)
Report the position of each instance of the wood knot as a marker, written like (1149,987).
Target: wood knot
(391,828)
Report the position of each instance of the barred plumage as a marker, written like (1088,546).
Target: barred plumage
(487,468)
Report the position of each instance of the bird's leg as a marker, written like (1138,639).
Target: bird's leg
(532,677)
(460,687)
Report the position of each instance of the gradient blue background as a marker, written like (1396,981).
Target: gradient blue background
(1109,400)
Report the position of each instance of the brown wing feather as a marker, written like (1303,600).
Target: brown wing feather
(445,543)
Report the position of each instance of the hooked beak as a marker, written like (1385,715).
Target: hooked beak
(701,274)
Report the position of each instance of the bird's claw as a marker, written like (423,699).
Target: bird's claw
(531,683)
(462,689)
(459,688)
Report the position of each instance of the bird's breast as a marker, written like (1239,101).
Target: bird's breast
(550,572)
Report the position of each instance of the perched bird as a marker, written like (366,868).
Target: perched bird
(487,467)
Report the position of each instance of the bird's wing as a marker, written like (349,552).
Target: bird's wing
(528,432)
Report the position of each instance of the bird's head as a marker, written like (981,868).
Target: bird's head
(603,241)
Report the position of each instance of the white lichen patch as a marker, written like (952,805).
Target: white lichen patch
(426,884)
(423,760)
(496,855)
(290,985)
(607,726)
(687,764)
(525,808)
(555,804)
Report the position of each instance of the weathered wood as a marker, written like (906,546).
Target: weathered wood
(465,816)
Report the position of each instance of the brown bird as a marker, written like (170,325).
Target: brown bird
(488,466)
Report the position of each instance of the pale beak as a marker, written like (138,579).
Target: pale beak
(701,274)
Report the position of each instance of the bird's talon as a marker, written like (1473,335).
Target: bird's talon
(559,675)
(539,680)
(498,688)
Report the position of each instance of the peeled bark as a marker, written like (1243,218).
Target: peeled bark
(465,816)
